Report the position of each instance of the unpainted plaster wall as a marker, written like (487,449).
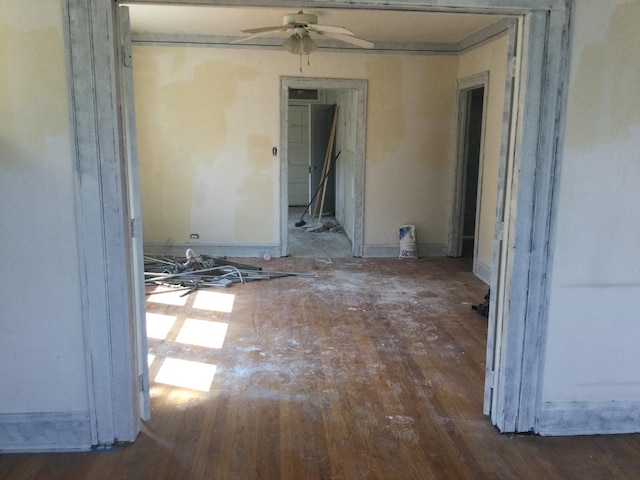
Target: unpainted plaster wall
(208,118)
(593,334)
(410,125)
(205,158)
(42,358)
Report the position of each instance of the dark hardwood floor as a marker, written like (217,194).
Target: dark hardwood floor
(372,369)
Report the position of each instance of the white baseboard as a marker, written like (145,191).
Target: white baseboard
(255,251)
(482,271)
(45,432)
(236,251)
(393,251)
(588,418)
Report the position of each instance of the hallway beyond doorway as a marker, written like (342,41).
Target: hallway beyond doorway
(320,244)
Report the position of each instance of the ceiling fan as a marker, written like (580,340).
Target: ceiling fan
(301,25)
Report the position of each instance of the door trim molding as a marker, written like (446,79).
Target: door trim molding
(102,220)
(503,7)
(528,216)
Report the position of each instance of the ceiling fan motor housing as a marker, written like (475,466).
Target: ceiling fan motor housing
(300,19)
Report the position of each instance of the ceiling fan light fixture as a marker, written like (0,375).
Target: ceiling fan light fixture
(308,45)
(292,44)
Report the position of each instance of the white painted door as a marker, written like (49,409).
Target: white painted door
(133,197)
(298,155)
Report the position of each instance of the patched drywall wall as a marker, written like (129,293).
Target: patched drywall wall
(410,126)
(208,118)
(491,58)
(42,357)
(592,352)
(204,149)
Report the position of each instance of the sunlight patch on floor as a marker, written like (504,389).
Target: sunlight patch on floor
(158,325)
(214,301)
(203,333)
(186,374)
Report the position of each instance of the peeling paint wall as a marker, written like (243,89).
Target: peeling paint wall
(42,358)
(491,58)
(208,117)
(592,352)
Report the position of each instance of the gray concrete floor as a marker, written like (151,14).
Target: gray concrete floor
(304,243)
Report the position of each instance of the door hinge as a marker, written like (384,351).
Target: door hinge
(514,66)
(493,379)
(133,228)
(142,385)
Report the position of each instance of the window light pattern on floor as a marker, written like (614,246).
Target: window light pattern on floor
(186,374)
(176,335)
(159,326)
(214,301)
(203,333)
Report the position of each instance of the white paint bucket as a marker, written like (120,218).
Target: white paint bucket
(407,236)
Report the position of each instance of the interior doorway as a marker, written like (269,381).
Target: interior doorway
(473,141)
(468,171)
(344,192)
(315,228)
(310,124)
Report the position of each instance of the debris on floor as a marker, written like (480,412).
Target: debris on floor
(203,271)
(483,308)
(324,227)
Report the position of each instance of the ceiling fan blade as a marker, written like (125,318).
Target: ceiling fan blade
(261,34)
(277,28)
(360,42)
(329,29)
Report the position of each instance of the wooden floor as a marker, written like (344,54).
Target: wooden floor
(373,369)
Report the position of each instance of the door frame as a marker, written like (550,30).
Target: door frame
(102,215)
(525,212)
(459,177)
(360,87)
(104,227)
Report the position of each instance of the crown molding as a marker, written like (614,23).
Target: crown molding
(333,46)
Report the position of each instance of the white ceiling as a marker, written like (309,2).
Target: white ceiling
(373,25)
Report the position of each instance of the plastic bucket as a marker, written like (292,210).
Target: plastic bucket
(407,236)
